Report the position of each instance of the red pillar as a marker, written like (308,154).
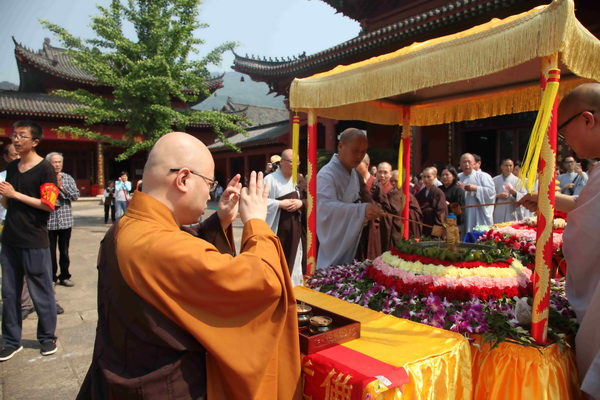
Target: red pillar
(311,180)
(406,167)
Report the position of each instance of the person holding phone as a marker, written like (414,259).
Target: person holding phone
(574,179)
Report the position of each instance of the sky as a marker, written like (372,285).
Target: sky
(271,28)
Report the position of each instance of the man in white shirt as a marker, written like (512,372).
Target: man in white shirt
(574,179)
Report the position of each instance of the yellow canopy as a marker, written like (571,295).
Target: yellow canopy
(488,70)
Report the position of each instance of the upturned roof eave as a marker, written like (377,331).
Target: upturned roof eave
(401,33)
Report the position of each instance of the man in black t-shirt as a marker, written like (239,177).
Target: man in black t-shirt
(29,195)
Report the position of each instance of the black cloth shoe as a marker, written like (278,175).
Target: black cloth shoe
(66,282)
(8,352)
(48,348)
(25,312)
(59,309)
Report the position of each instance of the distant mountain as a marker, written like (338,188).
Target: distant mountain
(241,92)
(5,85)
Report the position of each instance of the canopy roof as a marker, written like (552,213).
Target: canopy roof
(491,69)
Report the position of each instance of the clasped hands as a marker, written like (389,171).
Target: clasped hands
(251,201)
(290,205)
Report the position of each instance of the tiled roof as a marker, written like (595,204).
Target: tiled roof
(258,136)
(35,104)
(53,60)
(56,61)
(258,115)
(46,105)
(400,33)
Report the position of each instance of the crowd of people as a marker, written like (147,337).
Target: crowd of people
(190,297)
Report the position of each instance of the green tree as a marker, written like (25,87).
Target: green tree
(146,74)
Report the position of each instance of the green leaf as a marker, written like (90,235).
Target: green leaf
(140,77)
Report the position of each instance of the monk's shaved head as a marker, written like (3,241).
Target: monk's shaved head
(352,148)
(285,166)
(583,97)
(430,170)
(174,150)
(287,153)
(350,134)
(385,165)
(179,150)
(579,120)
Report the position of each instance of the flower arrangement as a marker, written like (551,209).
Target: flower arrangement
(520,240)
(451,282)
(557,223)
(495,318)
(429,252)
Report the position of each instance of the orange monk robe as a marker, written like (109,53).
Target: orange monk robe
(242,309)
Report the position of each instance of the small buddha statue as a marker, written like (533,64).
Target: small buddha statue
(452,233)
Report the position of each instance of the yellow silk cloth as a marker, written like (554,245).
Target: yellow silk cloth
(512,371)
(441,365)
(487,70)
(438,362)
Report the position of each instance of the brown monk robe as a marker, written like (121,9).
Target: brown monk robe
(303,190)
(365,197)
(290,231)
(391,227)
(433,205)
(414,213)
(432,201)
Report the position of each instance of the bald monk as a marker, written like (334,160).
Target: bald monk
(179,318)
(340,213)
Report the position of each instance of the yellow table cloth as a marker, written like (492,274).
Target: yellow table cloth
(512,371)
(442,365)
(438,362)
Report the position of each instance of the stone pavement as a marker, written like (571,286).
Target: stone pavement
(29,375)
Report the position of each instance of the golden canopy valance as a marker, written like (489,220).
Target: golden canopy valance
(488,70)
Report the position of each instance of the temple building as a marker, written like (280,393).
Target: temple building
(269,130)
(387,26)
(91,163)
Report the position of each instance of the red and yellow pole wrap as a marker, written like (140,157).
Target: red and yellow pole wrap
(311,180)
(404,169)
(547,117)
(295,147)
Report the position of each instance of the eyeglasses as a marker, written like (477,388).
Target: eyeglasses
(567,122)
(285,159)
(20,137)
(212,184)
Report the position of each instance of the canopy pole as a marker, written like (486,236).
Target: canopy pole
(311,181)
(550,74)
(405,171)
(295,147)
